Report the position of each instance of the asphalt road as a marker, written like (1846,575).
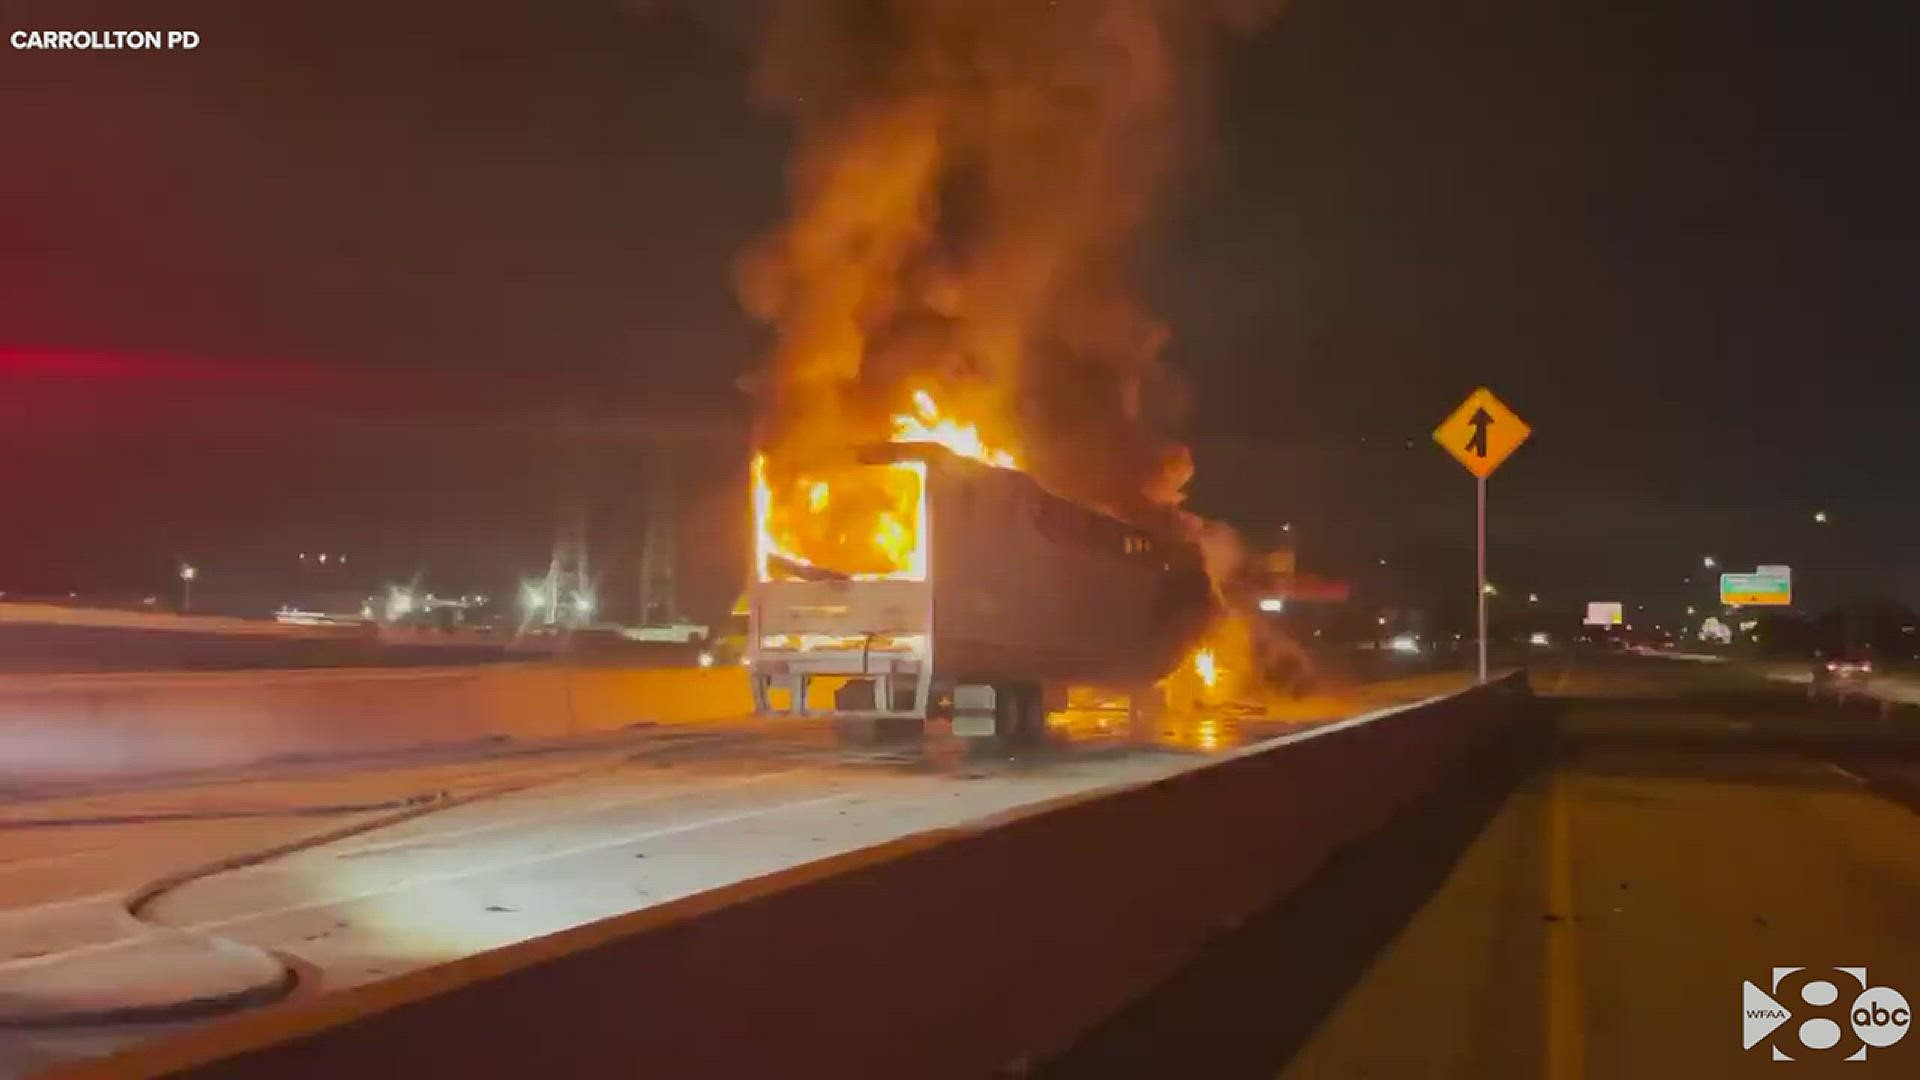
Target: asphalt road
(1586,907)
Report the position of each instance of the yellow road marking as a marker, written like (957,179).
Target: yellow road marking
(1566,1056)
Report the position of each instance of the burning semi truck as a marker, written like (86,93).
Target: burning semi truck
(926,579)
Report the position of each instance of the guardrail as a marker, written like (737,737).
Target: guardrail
(955,953)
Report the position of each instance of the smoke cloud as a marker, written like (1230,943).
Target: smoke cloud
(968,188)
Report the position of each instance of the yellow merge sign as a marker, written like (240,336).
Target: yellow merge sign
(1481,433)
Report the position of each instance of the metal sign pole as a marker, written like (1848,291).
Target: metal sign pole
(1481,434)
(1481,546)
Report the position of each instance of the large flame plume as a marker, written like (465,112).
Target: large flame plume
(967,189)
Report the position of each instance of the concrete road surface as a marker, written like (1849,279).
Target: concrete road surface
(1587,909)
(123,906)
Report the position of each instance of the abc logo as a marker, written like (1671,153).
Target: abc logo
(1881,1016)
(1832,1013)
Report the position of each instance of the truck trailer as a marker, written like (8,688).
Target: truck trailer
(1011,595)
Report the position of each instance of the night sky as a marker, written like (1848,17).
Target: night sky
(407,280)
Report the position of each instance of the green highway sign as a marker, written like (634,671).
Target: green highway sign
(1772,586)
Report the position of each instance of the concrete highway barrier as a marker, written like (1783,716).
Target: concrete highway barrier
(85,727)
(960,953)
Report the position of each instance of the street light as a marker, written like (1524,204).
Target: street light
(1819,517)
(187,573)
(1489,589)
(1708,562)
(1533,598)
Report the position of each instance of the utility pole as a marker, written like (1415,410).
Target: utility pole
(659,555)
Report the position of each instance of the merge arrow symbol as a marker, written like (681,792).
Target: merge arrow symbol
(1477,445)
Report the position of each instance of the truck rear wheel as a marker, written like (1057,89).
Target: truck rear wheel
(1021,713)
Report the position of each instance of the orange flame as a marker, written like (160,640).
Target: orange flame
(1221,669)
(864,521)
(1203,666)
(925,425)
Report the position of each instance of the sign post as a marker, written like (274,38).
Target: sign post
(1480,561)
(1481,434)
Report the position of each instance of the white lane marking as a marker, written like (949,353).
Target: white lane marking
(1849,774)
(27,911)
(32,861)
(576,810)
(511,864)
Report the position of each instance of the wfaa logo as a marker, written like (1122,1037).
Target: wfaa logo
(1823,1013)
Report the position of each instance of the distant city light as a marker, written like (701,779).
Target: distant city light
(1709,562)
(1533,598)
(1273,604)
(323,558)
(1540,638)
(1820,517)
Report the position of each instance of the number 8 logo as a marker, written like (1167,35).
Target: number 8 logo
(1820,999)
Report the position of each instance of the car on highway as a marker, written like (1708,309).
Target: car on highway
(1841,674)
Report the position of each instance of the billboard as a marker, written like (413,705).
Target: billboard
(1606,613)
(1770,586)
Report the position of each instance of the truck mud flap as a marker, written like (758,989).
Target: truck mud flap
(973,711)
